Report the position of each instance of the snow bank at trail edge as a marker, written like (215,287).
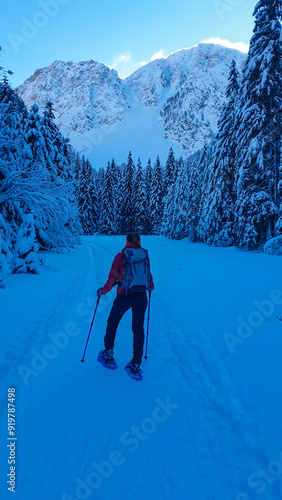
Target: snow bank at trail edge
(204,424)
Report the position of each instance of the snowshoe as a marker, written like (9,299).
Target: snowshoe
(106,357)
(134,370)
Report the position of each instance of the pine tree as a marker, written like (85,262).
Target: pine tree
(35,167)
(157,197)
(128,197)
(89,200)
(119,202)
(179,220)
(12,148)
(56,214)
(26,258)
(259,130)
(170,179)
(93,195)
(36,152)
(140,200)
(83,193)
(169,172)
(108,219)
(5,254)
(197,179)
(218,204)
(31,185)
(61,162)
(99,183)
(148,187)
(52,140)
(115,173)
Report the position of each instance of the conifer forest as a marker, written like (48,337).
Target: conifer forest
(228,193)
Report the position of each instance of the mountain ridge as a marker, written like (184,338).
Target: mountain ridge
(170,102)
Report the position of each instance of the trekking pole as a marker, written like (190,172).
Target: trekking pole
(148,319)
(82,360)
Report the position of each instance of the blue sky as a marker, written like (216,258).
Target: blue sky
(122,35)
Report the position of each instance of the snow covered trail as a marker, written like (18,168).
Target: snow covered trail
(192,429)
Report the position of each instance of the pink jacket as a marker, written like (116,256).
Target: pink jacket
(116,272)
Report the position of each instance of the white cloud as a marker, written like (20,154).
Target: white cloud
(242,47)
(158,55)
(124,57)
(123,64)
(119,59)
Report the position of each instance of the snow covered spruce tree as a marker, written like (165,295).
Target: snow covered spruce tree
(140,200)
(116,176)
(45,200)
(179,227)
(157,197)
(169,200)
(218,203)
(148,186)
(5,254)
(99,184)
(61,164)
(12,146)
(169,172)
(53,142)
(37,174)
(26,258)
(258,153)
(119,203)
(86,196)
(93,195)
(128,197)
(198,168)
(108,212)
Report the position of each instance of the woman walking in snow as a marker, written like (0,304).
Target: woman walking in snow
(131,272)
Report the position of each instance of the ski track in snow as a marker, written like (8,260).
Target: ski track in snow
(71,414)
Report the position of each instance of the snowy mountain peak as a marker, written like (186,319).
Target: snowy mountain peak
(208,61)
(170,102)
(84,94)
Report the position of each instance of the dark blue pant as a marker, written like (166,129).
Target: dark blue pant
(122,303)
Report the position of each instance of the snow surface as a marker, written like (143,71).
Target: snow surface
(202,424)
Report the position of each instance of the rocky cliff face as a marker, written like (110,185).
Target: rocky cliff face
(83,94)
(169,102)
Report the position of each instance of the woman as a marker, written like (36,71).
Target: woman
(131,272)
